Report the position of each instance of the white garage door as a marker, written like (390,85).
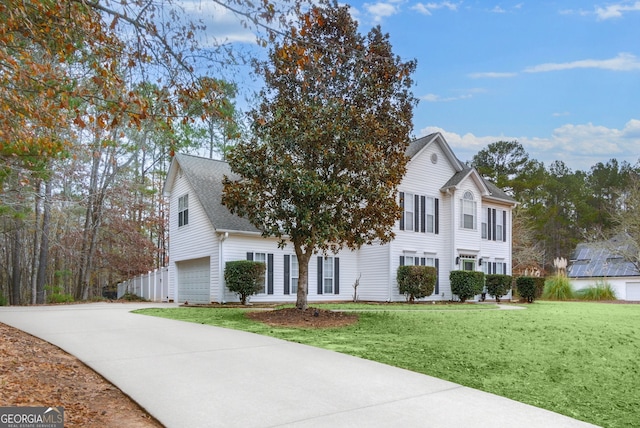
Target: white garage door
(633,291)
(193,281)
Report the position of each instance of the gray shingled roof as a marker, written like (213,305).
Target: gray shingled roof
(205,176)
(602,259)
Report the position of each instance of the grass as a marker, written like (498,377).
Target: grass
(578,359)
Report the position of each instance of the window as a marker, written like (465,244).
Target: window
(183,210)
(499,268)
(267,259)
(499,227)
(294,275)
(431,214)
(419,213)
(468,211)
(495,223)
(328,275)
(485,224)
(409,212)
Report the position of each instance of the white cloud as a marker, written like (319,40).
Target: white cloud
(622,62)
(469,93)
(498,9)
(560,114)
(492,75)
(426,9)
(579,146)
(616,10)
(381,10)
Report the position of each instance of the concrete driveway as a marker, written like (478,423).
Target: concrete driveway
(192,375)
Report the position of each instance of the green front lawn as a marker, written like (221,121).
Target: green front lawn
(578,359)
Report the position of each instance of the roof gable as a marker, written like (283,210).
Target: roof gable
(488,190)
(206,177)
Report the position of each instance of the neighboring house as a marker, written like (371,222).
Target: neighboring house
(605,262)
(453,219)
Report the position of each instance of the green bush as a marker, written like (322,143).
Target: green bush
(244,277)
(558,288)
(602,290)
(130,297)
(539,282)
(526,286)
(466,284)
(416,282)
(56,294)
(498,285)
(3,300)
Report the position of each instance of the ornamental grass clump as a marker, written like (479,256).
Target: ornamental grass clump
(559,286)
(602,290)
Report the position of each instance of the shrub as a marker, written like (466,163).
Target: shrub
(130,297)
(244,277)
(498,285)
(539,282)
(56,294)
(600,291)
(558,288)
(526,286)
(466,284)
(416,282)
(3,300)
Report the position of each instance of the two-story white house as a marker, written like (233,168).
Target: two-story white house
(452,219)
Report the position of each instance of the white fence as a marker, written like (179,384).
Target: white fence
(153,286)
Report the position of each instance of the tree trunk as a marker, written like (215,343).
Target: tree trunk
(15,263)
(43,260)
(36,241)
(303,277)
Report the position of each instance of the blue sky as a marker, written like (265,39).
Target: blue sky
(561,77)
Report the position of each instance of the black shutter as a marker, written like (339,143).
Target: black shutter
(494,224)
(336,275)
(249,256)
(495,267)
(287,274)
(437,289)
(423,261)
(416,213)
(401,260)
(269,273)
(504,268)
(436,226)
(489,224)
(423,214)
(504,226)
(320,277)
(402,207)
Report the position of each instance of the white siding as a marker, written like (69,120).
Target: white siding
(195,240)
(374,267)
(236,247)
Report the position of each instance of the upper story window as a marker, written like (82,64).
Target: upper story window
(409,213)
(494,224)
(183,210)
(419,213)
(468,211)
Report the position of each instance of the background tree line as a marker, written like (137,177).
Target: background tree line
(558,207)
(95,97)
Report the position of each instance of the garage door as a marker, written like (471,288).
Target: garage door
(633,290)
(193,281)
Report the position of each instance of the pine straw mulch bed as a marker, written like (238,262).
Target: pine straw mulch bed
(35,373)
(309,318)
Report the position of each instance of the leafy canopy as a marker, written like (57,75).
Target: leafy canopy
(330,135)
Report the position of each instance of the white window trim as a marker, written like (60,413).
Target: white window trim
(328,265)
(183,208)
(468,206)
